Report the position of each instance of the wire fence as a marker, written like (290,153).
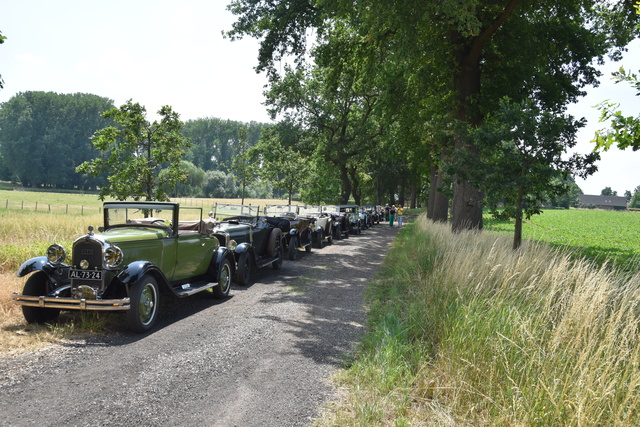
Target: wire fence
(12,205)
(22,205)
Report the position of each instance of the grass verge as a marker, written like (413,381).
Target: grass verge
(465,331)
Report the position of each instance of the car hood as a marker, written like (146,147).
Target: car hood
(116,235)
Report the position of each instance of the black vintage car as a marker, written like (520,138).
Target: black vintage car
(340,222)
(351,212)
(143,250)
(255,242)
(296,229)
(322,224)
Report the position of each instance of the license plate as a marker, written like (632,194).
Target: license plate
(85,275)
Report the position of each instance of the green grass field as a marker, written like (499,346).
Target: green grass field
(596,234)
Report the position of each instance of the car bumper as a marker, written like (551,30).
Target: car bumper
(72,303)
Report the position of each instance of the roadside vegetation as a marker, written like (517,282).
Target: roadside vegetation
(463,330)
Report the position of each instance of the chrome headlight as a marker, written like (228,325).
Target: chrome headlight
(112,256)
(56,254)
(233,244)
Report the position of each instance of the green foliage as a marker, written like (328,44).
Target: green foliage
(624,130)
(607,191)
(2,39)
(45,135)
(523,150)
(214,142)
(279,163)
(135,151)
(242,164)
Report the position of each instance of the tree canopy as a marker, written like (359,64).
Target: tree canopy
(448,62)
(135,151)
(45,135)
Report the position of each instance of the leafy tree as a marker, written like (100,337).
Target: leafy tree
(624,130)
(522,171)
(135,151)
(192,186)
(462,52)
(214,141)
(635,199)
(242,165)
(628,195)
(2,39)
(46,135)
(567,199)
(607,191)
(283,166)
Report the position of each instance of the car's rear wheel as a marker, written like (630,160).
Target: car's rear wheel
(293,248)
(36,286)
(274,243)
(243,274)
(145,299)
(221,290)
(330,239)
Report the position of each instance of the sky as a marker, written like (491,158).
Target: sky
(160,52)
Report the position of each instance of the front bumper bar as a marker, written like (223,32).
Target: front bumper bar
(72,303)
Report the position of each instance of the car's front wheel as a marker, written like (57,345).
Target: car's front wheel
(244,269)
(36,286)
(277,264)
(319,239)
(221,290)
(293,248)
(145,299)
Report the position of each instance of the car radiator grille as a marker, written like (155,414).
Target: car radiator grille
(89,250)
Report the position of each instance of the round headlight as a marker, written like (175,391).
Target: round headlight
(233,244)
(112,256)
(56,253)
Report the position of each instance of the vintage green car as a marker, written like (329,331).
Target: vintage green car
(143,250)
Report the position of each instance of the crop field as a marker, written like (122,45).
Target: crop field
(599,235)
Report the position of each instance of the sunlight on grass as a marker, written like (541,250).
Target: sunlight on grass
(464,330)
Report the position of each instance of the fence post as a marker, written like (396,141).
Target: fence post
(66,209)
(82,210)
(22,205)
(36,205)
(49,208)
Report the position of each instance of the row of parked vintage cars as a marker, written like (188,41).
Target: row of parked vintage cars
(146,249)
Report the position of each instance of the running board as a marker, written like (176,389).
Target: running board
(188,289)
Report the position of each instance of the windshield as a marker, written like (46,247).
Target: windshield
(155,214)
(281,210)
(224,211)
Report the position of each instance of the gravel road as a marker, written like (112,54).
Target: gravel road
(262,357)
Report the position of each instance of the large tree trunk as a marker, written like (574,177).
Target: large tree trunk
(467,200)
(414,195)
(438,203)
(346,185)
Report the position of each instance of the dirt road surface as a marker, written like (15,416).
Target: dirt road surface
(262,357)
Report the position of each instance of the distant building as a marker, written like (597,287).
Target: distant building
(603,202)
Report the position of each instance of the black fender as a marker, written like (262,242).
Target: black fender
(58,274)
(222,253)
(242,248)
(133,272)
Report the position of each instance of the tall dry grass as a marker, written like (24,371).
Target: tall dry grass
(466,331)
